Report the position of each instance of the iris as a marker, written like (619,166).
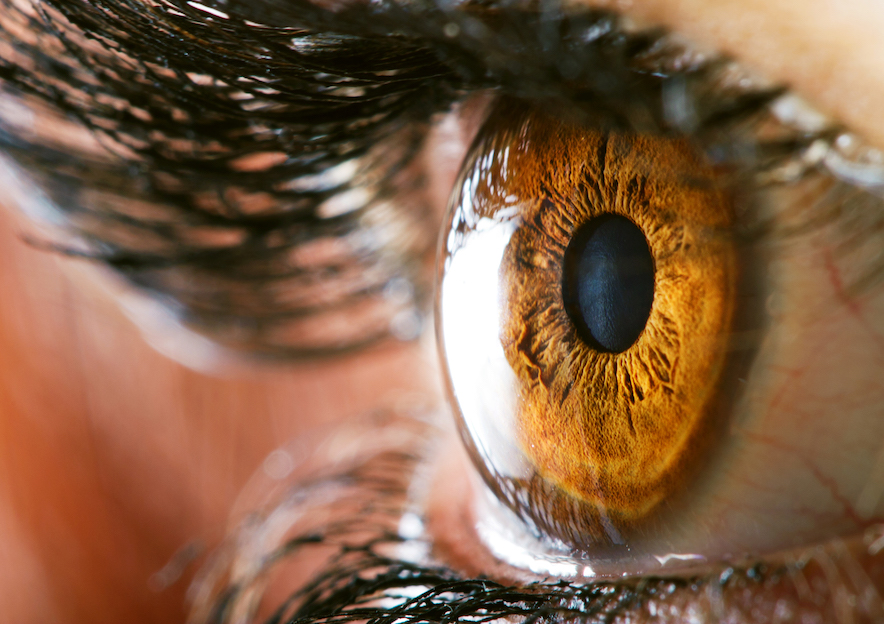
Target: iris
(588,283)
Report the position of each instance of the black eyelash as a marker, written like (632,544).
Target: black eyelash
(183,98)
(181,162)
(344,595)
(364,497)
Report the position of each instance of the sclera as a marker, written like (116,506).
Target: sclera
(583,446)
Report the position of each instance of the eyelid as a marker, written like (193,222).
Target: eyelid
(830,53)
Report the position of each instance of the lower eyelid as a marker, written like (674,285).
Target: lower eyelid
(450,508)
(811,582)
(812,585)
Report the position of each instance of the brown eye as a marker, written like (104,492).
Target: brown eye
(587,291)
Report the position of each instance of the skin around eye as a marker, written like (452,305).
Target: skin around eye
(680,446)
(829,52)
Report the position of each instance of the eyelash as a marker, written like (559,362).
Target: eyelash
(374,571)
(190,176)
(721,111)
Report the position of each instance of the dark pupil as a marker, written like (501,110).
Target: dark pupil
(608,284)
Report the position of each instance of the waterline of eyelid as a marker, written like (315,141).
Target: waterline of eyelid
(500,539)
(509,540)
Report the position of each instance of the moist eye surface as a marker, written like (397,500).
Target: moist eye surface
(629,417)
(599,279)
(608,284)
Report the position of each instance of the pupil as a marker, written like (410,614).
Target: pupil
(608,284)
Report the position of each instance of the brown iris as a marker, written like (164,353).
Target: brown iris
(607,433)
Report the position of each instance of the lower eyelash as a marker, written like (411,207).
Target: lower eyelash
(379,566)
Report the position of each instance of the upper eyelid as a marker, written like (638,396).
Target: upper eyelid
(512,36)
(830,53)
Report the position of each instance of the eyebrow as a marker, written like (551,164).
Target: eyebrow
(211,116)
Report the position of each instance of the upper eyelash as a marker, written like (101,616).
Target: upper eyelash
(349,83)
(190,168)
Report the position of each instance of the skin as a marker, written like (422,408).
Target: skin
(115,457)
(830,52)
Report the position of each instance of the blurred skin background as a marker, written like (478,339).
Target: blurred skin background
(115,457)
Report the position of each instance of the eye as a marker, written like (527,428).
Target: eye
(613,340)
(616,292)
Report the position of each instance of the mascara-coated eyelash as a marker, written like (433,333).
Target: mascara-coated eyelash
(356,513)
(252,176)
